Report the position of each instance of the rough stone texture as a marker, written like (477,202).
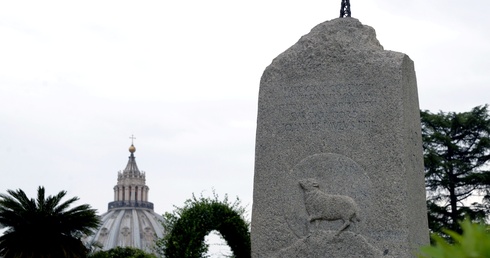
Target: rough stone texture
(320,243)
(339,109)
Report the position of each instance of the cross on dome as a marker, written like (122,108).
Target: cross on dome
(130,220)
(132,149)
(132,138)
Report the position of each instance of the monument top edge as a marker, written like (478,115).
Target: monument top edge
(348,31)
(332,43)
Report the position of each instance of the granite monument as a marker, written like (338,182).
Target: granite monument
(338,159)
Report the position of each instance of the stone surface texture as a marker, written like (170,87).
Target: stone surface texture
(340,110)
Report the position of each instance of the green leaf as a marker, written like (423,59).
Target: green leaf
(473,243)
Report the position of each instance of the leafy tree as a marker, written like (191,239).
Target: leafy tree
(122,252)
(473,243)
(187,227)
(44,227)
(456,154)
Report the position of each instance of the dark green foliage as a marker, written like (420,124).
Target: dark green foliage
(456,152)
(122,252)
(187,227)
(473,243)
(44,228)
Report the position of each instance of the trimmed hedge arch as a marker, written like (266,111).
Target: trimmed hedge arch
(197,219)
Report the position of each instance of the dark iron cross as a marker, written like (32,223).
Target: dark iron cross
(345,9)
(132,138)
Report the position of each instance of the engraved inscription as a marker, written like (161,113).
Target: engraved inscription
(322,206)
(335,91)
(328,107)
(332,95)
(335,125)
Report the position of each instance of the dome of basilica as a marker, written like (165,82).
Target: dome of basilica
(130,220)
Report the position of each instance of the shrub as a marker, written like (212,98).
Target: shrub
(474,242)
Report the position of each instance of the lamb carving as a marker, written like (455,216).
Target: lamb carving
(322,206)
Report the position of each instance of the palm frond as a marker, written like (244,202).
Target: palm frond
(44,227)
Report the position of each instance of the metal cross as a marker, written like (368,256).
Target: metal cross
(345,9)
(132,138)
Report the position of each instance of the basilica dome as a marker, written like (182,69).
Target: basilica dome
(130,220)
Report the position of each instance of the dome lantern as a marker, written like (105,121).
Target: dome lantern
(130,219)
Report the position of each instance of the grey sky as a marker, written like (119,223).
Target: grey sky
(77,79)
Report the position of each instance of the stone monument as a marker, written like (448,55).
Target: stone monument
(338,159)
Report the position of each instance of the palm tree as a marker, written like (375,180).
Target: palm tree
(45,227)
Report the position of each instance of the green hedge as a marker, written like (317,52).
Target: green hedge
(187,227)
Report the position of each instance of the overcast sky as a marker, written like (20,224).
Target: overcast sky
(77,79)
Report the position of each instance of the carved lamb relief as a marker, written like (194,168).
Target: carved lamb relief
(322,206)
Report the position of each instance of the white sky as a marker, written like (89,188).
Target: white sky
(77,79)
